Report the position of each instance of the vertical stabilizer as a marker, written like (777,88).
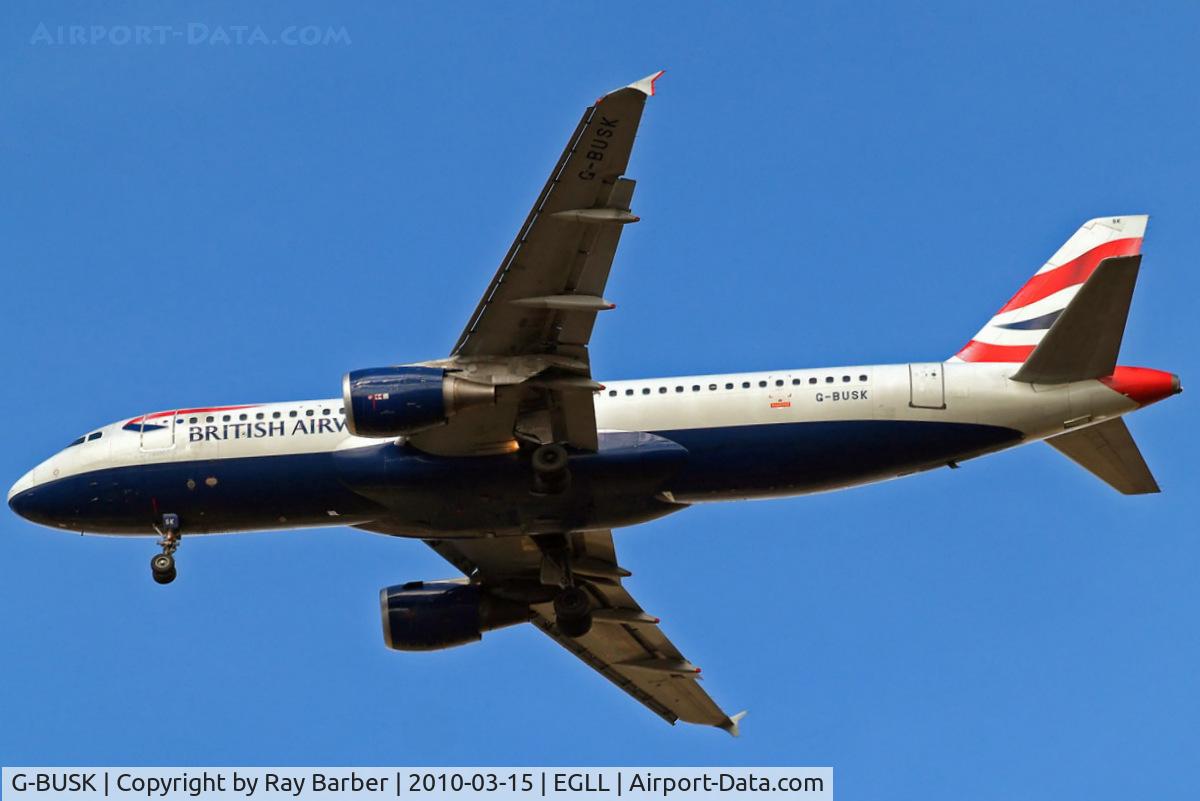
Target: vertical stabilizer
(1019,327)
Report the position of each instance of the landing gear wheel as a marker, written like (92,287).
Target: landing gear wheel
(551,475)
(575,627)
(573,612)
(572,602)
(162,567)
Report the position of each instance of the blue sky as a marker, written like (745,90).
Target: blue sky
(186,224)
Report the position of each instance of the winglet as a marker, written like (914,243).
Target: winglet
(645,85)
(731,725)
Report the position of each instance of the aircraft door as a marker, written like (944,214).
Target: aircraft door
(779,391)
(927,385)
(158,432)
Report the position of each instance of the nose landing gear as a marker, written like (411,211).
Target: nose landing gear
(162,566)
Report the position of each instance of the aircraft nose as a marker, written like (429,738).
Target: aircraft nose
(23,483)
(21,495)
(18,494)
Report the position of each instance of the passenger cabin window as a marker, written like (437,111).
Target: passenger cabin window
(695,387)
(845,379)
(629,392)
(729,385)
(241,417)
(862,377)
(612,393)
(225,418)
(679,388)
(275,415)
(292,413)
(662,390)
(193,420)
(795,382)
(259,416)
(812,380)
(209,419)
(745,385)
(712,387)
(762,383)
(828,379)
(308,412)
(645,390)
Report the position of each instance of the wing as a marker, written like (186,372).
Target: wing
(545,296)
(625,645)
(531,329)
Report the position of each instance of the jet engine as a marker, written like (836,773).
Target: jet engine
(390,401)
(432,615)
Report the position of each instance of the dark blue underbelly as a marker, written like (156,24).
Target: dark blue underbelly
(787,458)
(209,496)
(424,495)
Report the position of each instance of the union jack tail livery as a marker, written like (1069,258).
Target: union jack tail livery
(1020,325)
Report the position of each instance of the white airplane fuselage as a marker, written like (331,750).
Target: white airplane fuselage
(664,443)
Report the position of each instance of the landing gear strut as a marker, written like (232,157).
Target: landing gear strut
(573,604)
(162,566)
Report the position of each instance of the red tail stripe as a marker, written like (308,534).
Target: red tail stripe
(1073,272)
(983,352)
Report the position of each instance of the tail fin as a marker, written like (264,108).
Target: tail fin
(1021,324)
(1085,340)
(1108,451)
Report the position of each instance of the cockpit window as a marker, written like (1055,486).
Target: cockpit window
(77,442)
(95,435)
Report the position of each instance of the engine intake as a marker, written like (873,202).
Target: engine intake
(390,401)
(432,615)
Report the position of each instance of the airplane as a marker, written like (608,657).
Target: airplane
(514,464)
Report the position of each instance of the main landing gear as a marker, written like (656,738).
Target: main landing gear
(551,474)
(162,566)
(572,604)
(573,612)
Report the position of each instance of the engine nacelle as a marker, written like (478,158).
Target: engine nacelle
(390,401)
(432,615)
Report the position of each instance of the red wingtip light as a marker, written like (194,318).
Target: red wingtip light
(1143,385)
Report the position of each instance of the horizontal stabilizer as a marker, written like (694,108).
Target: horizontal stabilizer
(1108,451)
(1085,339)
